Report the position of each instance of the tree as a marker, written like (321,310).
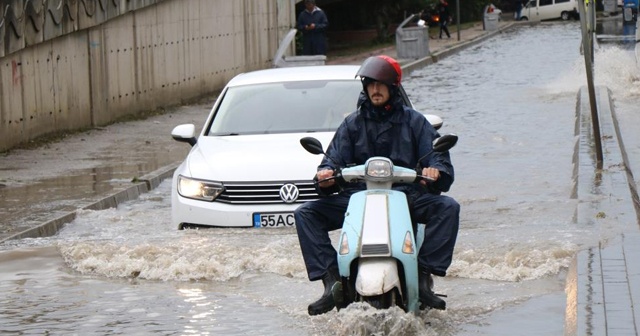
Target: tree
(388,12)
(382,15)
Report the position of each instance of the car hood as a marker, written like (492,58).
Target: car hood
(270,157)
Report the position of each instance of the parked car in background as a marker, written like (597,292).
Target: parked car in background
(541,10)
(247,167)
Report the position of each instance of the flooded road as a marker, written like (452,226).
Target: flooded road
(511,100)
(94,166)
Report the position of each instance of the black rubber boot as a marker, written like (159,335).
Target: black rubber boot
(326,302)
(427,297)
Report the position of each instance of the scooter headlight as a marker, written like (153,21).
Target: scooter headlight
(199,189)
(379,168)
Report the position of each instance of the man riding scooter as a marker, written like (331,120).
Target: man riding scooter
(381,126)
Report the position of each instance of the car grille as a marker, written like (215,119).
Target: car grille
(375,249)
(264,192)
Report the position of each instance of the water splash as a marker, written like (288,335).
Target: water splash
(189,258)
(518,263)
(617,69)
(614,67)
(362,319)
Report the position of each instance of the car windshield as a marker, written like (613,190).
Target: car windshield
(286,107)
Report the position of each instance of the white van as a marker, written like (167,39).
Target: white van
(539,10)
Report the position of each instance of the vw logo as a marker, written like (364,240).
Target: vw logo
(289,193)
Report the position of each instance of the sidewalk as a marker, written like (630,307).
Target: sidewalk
(603,286)
(438,48)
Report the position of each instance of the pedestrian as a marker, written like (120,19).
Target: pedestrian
(312,22)
(382,125)
(518,9)
(445,17)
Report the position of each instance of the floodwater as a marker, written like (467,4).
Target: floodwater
(511,100)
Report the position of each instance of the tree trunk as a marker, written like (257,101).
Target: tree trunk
(381,11)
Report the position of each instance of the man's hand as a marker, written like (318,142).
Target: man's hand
(325,174)
(430,173)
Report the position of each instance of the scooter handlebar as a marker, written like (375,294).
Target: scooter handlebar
(427,179)
(337,176)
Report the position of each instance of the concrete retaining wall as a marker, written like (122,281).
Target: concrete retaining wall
(62,69)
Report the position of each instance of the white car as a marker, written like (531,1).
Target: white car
(541,10)
(247,167)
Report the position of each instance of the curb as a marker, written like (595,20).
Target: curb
(603,282)
(141,185)
(455,48)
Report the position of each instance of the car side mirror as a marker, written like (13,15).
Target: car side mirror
(185,133)
(434,120)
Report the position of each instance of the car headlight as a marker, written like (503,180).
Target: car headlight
(379,168)
(198,189)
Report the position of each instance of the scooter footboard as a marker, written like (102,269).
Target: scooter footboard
(377,276)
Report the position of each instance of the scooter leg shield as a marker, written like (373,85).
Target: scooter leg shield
(420,236)
(377,276)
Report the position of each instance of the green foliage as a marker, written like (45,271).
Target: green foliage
(473,10)
(415,6)
(298,43)
(385,15)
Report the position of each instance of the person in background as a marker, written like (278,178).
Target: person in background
(382,125)
(518,10)
(445,17)
(312,22)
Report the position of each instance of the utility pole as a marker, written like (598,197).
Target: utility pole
(458,17)
(587,21)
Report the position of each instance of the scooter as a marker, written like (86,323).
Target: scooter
(377,250)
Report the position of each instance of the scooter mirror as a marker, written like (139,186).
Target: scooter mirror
(445,142)
(312,145)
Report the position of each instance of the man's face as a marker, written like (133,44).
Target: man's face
(378,93)
(309,5)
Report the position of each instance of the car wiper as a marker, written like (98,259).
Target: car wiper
(229,134)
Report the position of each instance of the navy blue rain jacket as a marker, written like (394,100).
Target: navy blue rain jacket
(400,133)
(313,41)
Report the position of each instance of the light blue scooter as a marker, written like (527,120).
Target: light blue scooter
(377,250)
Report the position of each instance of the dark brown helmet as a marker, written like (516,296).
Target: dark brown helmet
(381,68)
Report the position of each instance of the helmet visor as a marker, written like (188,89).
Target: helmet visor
(381,70)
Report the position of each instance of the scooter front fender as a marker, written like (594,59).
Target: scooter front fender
(377,276)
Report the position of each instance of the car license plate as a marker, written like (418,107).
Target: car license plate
(280,219)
